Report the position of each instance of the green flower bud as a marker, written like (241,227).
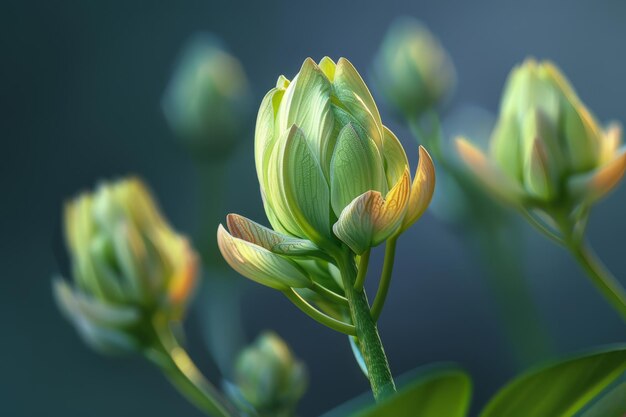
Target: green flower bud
(127,264)
(547,151)
(412,70)
(331,174)
(207,102)
(269,378)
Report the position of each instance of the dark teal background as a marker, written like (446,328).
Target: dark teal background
(80,88)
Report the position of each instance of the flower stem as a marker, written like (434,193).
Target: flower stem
(601,277)
(385,277)
(178,367)
(368,338)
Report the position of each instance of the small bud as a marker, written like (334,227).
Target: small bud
(269,378)
(207,102)
(127,265)
(547,151)
(412,70)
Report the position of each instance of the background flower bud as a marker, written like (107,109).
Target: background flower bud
(412,70)
(127,266)
(269,378)
(548,147)
(207,102)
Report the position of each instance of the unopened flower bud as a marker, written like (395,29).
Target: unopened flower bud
(269,378)
(128,265)
(207,102)
(412,70)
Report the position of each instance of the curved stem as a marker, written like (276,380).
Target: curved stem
(541,227)
(385,277)
(331,295)
(362,272)
(317,315)
(368,338)
(602,278)
(178,367)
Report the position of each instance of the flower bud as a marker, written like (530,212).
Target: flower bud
(207,102)
(332,176)
(269,378)
(547,150)
(412,70)
(127,266)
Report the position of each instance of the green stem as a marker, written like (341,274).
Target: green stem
(330,295)
(601,277)
(317,315)
(178,367)
(385,277)
(369,341)
(362,273)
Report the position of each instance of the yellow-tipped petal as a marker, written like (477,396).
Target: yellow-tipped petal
(370,219)
(328,66)
(259,264)
(243,228)
(488,174)
(598,183)
(184,280)
(421,190)
(610,143)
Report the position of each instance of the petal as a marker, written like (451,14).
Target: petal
(183,282)
(610,143)
(306,103)
(356,167)
(356,97)
(421,190)
(328,66)
(596,184)
(259,264)
(395,157)
(243,228)
(265,135)
(538,178)
(369,219)
(305,187)
(489,175)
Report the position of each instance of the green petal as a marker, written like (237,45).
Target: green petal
(396,161)
(243,228)
(265,135)
(357,99)
(328,66)
(306,103)
(538,177)
(356,167)
(259,264)
(370,219)
(305,187)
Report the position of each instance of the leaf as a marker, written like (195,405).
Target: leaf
(612,404)
(558,390)
(437,391)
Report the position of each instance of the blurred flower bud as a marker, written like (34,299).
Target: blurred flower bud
(207,102)
(547,151)
(269,378)
(330,172)
(412,70)
(127,265)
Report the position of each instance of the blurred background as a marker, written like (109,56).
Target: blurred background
(81,90)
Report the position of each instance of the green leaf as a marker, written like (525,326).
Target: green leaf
(612,404)
(436,391)
(560,389)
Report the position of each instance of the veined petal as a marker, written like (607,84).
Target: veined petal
(356,167)
(265,134)
(596,184)
(305,187)
(421,190)
(489,175)
(306,103)
(395,157)
(259,264)
(243,228)
(356,97)
(370,219)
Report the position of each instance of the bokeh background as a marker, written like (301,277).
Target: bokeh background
(81,86)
